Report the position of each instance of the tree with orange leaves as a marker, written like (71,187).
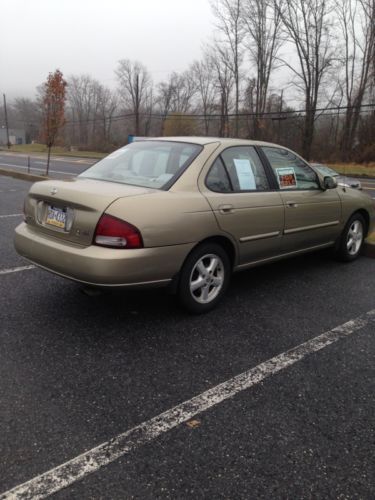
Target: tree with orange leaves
(53,102)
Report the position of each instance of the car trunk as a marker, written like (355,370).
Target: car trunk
(70,210)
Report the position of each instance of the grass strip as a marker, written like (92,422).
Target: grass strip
(365,169)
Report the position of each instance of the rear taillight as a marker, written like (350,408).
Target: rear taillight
(116,233)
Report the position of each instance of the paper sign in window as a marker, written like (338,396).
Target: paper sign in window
(286,177)
(245,174)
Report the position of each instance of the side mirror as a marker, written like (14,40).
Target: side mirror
(329,182)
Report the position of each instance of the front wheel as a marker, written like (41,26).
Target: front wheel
(352,238)
(204,278)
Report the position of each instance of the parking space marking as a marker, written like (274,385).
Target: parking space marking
(16,269)
(36,169)
(89,462)
(10,215)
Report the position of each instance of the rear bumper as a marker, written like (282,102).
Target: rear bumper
(99,266)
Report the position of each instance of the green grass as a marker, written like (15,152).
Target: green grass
(42,148)
(365,169)
(371,238)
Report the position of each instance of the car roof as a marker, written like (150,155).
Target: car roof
(210,140)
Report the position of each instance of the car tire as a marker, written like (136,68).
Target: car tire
(352,238)
(204,278)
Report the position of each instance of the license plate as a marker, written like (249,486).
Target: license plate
(56,217)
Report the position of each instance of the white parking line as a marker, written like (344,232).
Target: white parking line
(77,468)
(10,215)
(37,169)
(16,269)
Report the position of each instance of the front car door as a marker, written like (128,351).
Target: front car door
(312,214)
(237,187)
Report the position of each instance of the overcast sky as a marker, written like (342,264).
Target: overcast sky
(90,36)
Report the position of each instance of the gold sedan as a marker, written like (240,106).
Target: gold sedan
(187,212)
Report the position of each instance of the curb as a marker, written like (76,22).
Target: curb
(22,175)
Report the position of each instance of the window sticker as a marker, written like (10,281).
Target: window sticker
(286,178)
(245,174)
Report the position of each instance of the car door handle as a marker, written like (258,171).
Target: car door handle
(291,204)
(225,209)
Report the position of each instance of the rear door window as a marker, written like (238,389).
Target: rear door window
(238,169)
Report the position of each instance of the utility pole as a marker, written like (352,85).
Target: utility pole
(280,111)
(6,120)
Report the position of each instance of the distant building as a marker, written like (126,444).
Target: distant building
(16,136)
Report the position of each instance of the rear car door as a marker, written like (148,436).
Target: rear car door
(312,214)
(238,189)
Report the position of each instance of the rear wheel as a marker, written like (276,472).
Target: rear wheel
(352,238)
(204,278)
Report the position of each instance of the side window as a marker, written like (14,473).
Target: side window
(290,171)
(217,178)
(245,170)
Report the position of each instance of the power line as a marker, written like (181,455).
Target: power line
(300,112)
(273,115)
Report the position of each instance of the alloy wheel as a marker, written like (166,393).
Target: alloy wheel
(207,278)
(355,237)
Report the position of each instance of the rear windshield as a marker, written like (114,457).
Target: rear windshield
(155,164)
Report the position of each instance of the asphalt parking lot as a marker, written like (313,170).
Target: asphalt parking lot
(79,371)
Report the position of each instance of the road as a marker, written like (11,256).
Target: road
(368,186)
(60,167)
(65,167)
(79,371)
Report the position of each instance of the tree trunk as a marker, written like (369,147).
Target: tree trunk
(308,135)
(48,158)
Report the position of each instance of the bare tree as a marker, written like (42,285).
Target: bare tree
(27,113)
(164,101)
(105,109)
(231,31)
(263,22)
(357,22)
(307,25)
(149,106)
(82,99)
(135,84)
(202,72)
(183,92)
(224,82)
(91,109)
(175,95)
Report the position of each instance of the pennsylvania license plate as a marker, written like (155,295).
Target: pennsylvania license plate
(56,217)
